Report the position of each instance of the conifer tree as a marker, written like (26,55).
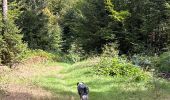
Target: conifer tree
(10,40)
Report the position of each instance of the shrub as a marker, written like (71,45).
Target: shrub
(62,57)
(110,50)
(76,53)
(120,67)
(146,62)
(27,54)
(163,63)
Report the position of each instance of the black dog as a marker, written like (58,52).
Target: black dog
(83,91)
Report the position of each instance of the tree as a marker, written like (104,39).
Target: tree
(88,24)
(4,9)
(40,26)
(10,40)
(146,28)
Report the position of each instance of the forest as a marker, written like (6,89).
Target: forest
(119,48)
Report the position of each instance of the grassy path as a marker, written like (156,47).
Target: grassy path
(57,81)
(19,84)
(63,85)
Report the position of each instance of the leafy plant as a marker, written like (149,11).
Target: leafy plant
(109,50)
(76,53)
(163,63)
(121,68)
(146,62)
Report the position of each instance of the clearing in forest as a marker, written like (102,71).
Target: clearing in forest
(57,81)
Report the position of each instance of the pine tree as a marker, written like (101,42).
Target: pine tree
(40,26)
(10,40)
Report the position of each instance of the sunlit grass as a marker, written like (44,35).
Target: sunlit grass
(61,78)
(63,85)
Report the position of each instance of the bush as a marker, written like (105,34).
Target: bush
(27,54)
(146,62)
(62,57)
(76,53)
(163,63)
(110,50)
(120,67)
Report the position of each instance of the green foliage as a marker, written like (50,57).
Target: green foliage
(107,87)
(76,53)
(27,54)
(54,32)
(60,7)
(10,37)
(54,25)
(1,44)
(147,27)
(113,65)
(64,86)
(12,45)
(109,50)
(136,26)
(146,62)
(40,27)
(87,25)
(115,15)
(163,63)
(120,67)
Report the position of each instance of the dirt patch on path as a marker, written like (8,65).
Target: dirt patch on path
(21,92)
(26,91)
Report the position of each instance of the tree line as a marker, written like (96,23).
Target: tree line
(83,26)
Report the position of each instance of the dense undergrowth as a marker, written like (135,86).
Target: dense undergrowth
(163,63)
(137,68)
(121,68)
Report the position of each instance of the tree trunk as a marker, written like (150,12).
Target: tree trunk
(4,10)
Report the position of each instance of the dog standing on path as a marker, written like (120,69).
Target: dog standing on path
(83,91)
